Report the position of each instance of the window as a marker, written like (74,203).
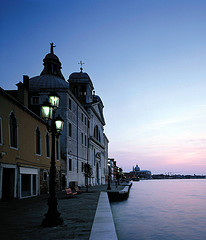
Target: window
(85,142)
(82,138)
(25,185)
(70,104)
(57,149)
(28,185)
(70,129)
(45,176)
(1,137)
(96,132)
(85,121)
(82,117)
(94,157)
(70,164)
(82,167)
(13,130)
(35,100)
(38,141)
(88,124)
(99,137)
(47,145)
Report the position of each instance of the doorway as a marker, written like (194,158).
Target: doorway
(8,184)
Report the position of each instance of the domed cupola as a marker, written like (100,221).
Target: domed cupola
(51,77)
(52,65)
(81,86)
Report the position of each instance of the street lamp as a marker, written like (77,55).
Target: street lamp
(109,175)
(52,217)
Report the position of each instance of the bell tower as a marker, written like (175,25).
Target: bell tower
(81,86)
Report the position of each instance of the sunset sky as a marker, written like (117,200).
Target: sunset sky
(147,61)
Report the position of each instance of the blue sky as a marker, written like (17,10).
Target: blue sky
(146,59)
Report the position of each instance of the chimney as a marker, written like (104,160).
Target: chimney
(22,92)
(26,82)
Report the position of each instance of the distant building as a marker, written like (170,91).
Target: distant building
(138,174)
(24,151)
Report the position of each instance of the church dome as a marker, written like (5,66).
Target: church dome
(80,77)
(47,82)
(51,77)
(52,56)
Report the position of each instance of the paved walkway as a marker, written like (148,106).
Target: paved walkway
(21,219)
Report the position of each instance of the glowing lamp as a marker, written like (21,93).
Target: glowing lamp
(46,110)
(59,124)
(54,100)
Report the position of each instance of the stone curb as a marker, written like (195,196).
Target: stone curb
(103,226)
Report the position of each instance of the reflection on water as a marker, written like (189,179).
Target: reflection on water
(162,210)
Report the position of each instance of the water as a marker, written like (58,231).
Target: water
(162,210)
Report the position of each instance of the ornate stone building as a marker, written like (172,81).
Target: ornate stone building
(83,139)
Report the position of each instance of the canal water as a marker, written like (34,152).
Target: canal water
(162,210)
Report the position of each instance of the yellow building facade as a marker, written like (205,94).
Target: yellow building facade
(25,151)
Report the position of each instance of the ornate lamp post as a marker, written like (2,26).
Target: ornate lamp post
(109,175)
(52,217)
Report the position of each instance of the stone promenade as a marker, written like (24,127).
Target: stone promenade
(21,219)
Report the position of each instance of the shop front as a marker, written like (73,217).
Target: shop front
(29,182)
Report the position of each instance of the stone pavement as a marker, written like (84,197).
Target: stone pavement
(21,219)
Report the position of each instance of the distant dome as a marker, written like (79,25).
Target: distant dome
(80,77)
(137,168)
(47,82)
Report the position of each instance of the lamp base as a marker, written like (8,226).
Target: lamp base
(52,220)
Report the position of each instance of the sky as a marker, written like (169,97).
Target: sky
(147,62)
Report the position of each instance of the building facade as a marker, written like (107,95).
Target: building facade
(83,139)
(24,150)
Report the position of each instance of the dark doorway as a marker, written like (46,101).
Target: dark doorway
(63,182)
(8,184)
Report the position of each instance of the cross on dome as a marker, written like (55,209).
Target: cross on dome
(52,48)
(81,63)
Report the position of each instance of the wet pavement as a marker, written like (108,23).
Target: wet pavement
(21,219)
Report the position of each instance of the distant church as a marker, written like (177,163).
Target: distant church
(141,174)
(83,139)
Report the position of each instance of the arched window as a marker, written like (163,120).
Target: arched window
(99,138)
(13,130)
(97,133)
(47,145)
(38,141)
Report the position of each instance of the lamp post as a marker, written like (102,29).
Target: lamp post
(52,217)
(109,175)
